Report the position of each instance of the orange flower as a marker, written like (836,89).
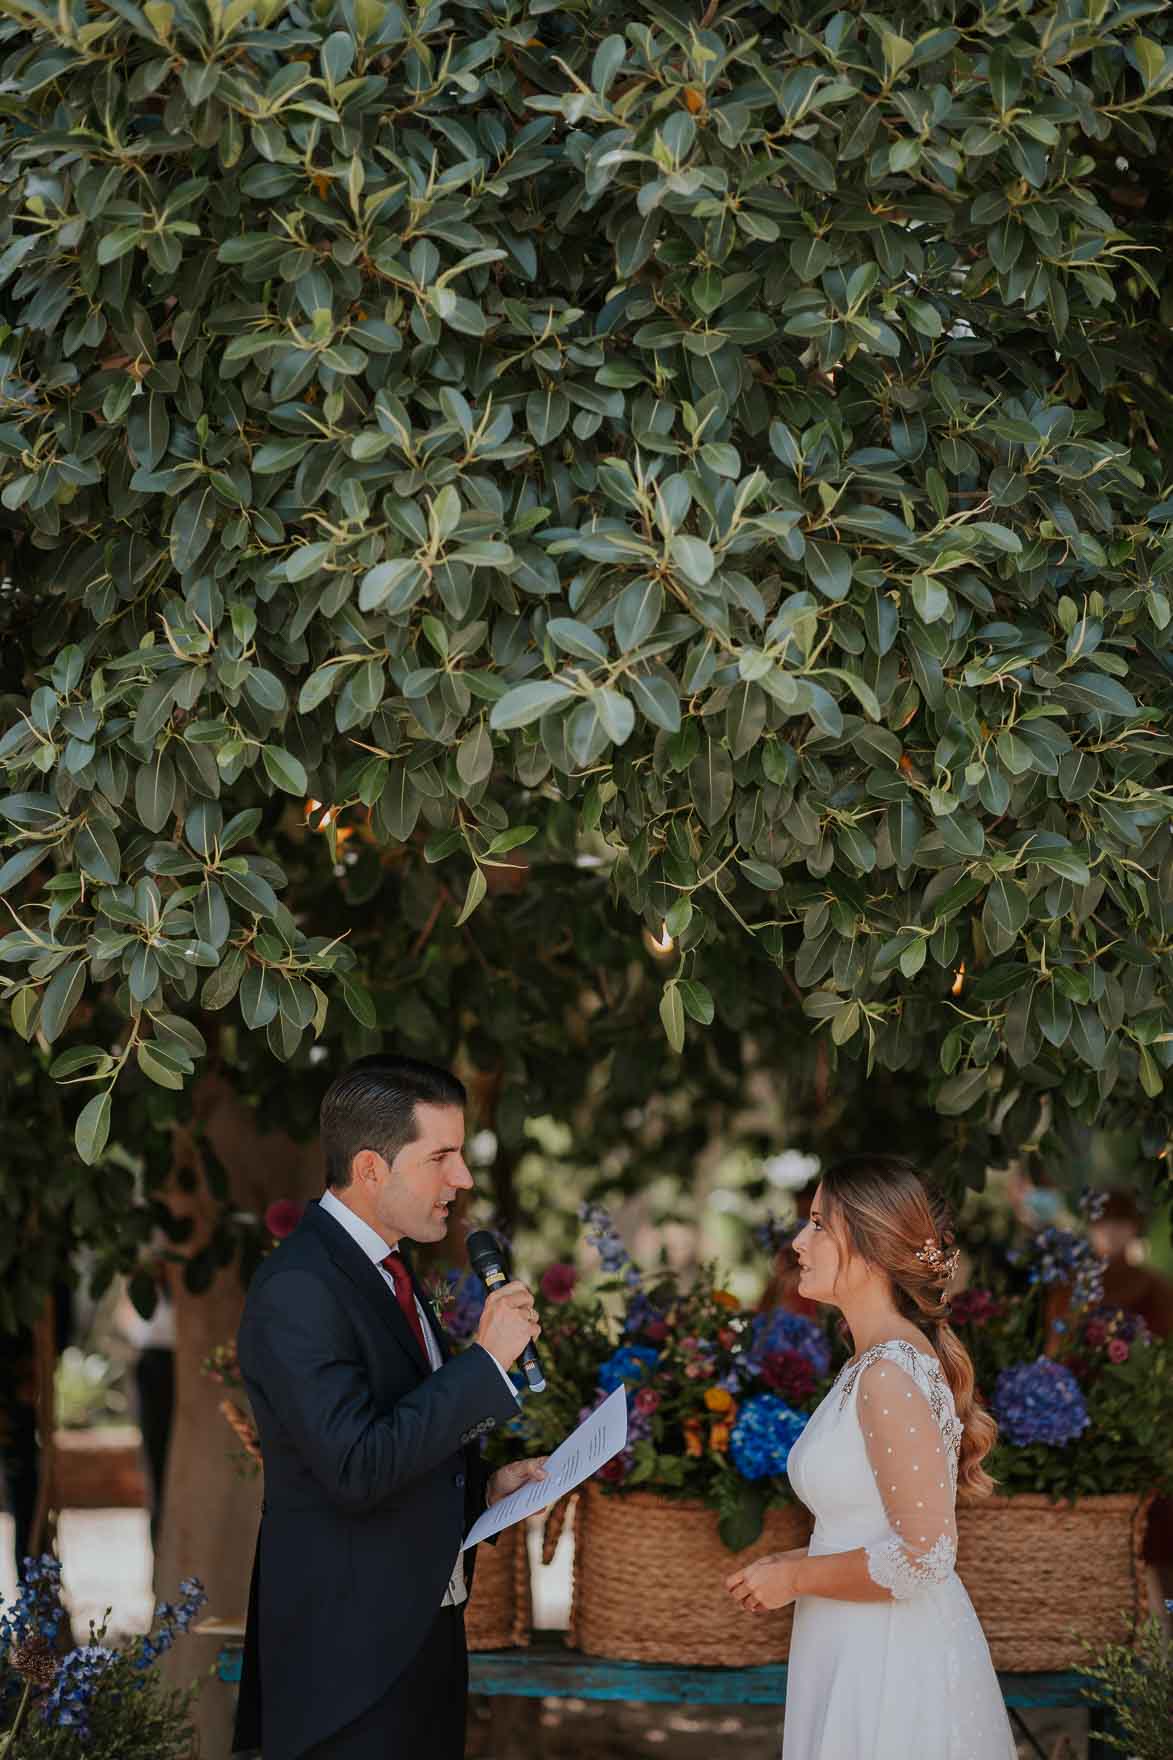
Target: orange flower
(724,1299)
(719,1438)
(718,1399)
(693,100)
(693,1446)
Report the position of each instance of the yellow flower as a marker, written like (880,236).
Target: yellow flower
(719,1438)
(718,1399)
(725,1299)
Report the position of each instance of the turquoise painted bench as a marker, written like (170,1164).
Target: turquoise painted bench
(549,1670)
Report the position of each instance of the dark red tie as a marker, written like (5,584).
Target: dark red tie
(401,1278)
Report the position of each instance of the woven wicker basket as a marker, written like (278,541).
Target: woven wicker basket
(649,1583)
(1047,1578)
(500,1608)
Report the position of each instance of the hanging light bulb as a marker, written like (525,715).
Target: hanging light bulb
(659,946)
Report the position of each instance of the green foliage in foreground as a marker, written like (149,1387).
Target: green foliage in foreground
(733,442)
(1135,1682)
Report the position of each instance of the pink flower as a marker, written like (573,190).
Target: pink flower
(1118,1350)
(558,1283)
(283,1216)
(647,1400)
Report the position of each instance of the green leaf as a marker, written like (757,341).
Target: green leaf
(656,698)
(710,777)
(61,997)
(284,770)
(18,866)
(697,1000)
(672,1014)
(961,1092)
(97,853)
(477,887)
(157,1068)
(829,568)
(474,755)
(527,702)
(693,558)
(258,996)
(637,613)
(93,1128)
(154,792)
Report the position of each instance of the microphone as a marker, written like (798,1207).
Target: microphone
(484,1255)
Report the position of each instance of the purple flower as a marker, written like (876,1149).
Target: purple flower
(780,1330)
(1040,1402)
(1056,1255)
(602,1234)
(466,1301)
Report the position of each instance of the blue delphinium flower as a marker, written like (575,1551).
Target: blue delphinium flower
(602,1234)
(169,1620)
(78,1680)
(37,1609)
(1039,1402)
(780,1330)
(765,1432)
(630,1364)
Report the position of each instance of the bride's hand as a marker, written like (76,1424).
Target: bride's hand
(768,1583)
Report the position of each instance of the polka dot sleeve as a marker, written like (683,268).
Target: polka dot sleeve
(913,1471)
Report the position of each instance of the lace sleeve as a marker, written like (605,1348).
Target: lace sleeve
(908,1457)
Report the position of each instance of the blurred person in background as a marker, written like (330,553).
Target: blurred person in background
(153,1341)
(1129,1282)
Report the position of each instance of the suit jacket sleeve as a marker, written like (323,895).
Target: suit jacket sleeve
(298,1349)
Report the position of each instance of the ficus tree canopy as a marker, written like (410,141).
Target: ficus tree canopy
(626,468)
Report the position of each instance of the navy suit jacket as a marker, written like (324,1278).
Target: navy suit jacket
(373,1476)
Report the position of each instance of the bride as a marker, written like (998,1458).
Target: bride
(887,1658)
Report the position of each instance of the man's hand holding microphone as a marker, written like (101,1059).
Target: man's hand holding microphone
(508,1328)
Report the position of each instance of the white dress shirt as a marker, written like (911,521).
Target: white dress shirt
(376,1250)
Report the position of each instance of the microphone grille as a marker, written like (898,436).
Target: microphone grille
(483,1249)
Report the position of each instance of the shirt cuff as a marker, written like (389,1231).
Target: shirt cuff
(507,1379)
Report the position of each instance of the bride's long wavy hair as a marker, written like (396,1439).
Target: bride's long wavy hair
(886,1212)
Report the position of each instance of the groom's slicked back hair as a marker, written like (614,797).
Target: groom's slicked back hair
(372,1105)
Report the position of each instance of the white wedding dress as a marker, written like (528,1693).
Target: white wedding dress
(911,1676)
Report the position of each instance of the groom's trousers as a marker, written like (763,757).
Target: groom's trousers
(423,1716)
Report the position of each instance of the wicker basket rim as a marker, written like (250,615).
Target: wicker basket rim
(689,1505)
(1038,1500)
(1021,1500)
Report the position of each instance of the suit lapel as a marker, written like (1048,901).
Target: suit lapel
(367,1279)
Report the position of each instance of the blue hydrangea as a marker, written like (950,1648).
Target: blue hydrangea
(765,1432)
(780,1330)
(1040,1402)
(78,1680)
(631,1363)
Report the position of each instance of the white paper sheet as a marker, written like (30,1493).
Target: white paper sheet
(597,1440)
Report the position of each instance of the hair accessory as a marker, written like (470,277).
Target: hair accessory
(944,1264)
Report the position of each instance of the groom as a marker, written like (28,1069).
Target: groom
(370,1435)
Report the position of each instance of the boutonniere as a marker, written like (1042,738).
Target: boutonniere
(440,1291)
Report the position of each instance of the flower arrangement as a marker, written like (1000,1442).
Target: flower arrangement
(94,1699)
(716,1395)
(1082,1394)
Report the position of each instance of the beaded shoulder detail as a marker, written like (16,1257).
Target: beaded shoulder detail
(929,1376)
